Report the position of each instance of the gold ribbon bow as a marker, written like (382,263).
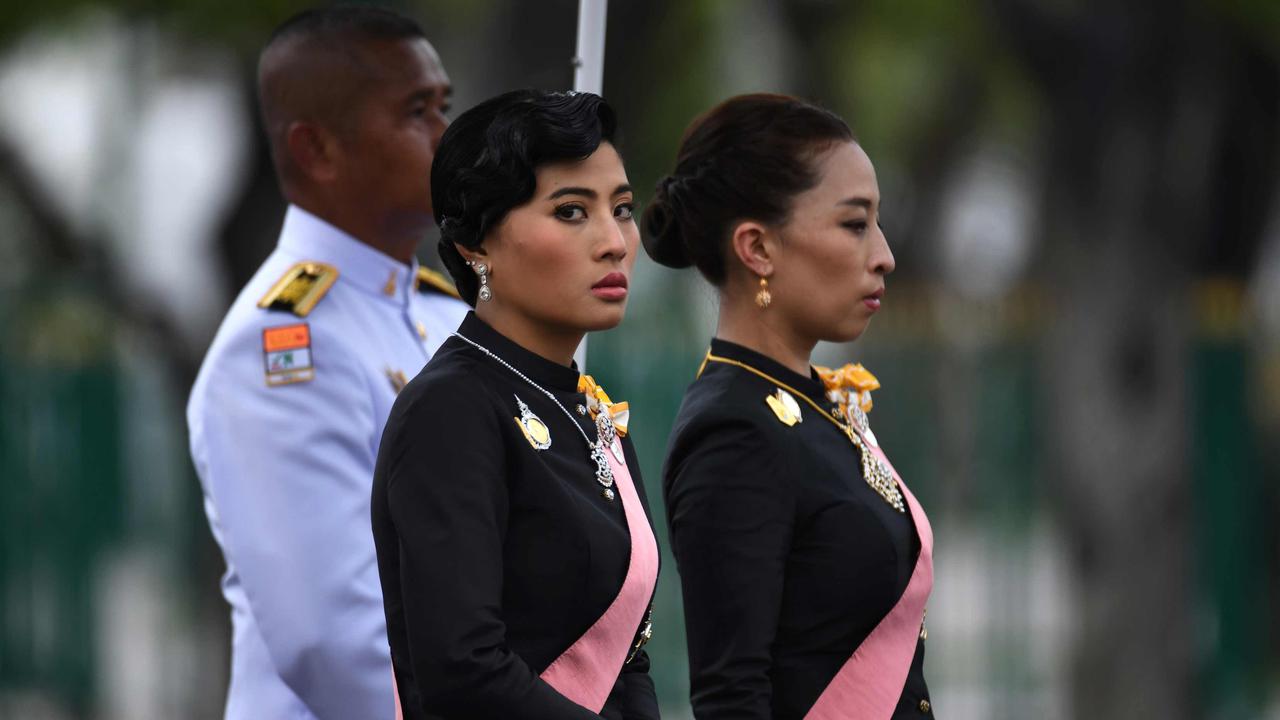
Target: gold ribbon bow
(597,398)
(851,382)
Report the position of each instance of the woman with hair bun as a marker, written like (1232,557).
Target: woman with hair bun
(805,561)
(514,546)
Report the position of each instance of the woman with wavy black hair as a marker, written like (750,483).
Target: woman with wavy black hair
(805,561)
(517,558)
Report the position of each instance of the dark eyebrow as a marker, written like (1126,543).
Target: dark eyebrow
(856,202)
(585,192)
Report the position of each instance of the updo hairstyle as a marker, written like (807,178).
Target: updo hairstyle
(746,158)
(488,158)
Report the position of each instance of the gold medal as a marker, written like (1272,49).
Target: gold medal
(535,431)
(785,407)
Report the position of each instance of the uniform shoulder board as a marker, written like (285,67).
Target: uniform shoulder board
(300,288)
(431,281)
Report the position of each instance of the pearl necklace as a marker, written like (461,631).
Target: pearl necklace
(604,474)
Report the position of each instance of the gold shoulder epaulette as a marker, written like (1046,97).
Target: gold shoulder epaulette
(300,288)
(429,280)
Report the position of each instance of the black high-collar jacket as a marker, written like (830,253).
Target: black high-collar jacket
(495,556)
(787,558)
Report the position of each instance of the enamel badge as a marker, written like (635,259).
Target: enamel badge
(287,354)
(785,407)
(535,431)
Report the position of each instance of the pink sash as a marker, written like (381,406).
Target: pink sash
(870,683)
(395,690)
(587,671)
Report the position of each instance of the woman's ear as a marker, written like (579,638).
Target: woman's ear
(472,255)
(754,246)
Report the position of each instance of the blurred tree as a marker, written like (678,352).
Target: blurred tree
(1146,170)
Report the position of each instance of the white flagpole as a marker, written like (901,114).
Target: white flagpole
(588,76)
(588,64)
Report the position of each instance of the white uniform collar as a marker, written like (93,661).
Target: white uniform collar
(312,238)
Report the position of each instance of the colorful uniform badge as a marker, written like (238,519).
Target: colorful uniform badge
(287,353)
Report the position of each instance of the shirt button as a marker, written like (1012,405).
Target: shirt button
(422,330)
(924,706)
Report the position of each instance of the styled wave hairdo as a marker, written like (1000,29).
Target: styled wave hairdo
(748,157)
(487,160)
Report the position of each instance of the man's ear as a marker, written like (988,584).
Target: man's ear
(313,150)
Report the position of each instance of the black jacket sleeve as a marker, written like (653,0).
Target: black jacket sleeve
(448,501)
(732,512)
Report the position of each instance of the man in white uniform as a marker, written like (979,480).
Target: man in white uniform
(287,412)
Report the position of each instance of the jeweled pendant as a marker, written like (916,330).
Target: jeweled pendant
(878,475)
(604,474)
(858,417)
(485,293)
(604,427)
(607,494)
(871,438)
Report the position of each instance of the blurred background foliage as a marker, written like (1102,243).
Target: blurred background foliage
(1080,348)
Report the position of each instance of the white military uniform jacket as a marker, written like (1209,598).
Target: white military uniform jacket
(285,417)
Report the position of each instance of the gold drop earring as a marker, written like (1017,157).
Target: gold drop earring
(764,297)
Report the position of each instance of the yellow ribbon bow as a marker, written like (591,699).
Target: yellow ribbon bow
(850,380)
(597,398)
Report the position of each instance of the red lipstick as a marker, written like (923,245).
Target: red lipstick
(611,287)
